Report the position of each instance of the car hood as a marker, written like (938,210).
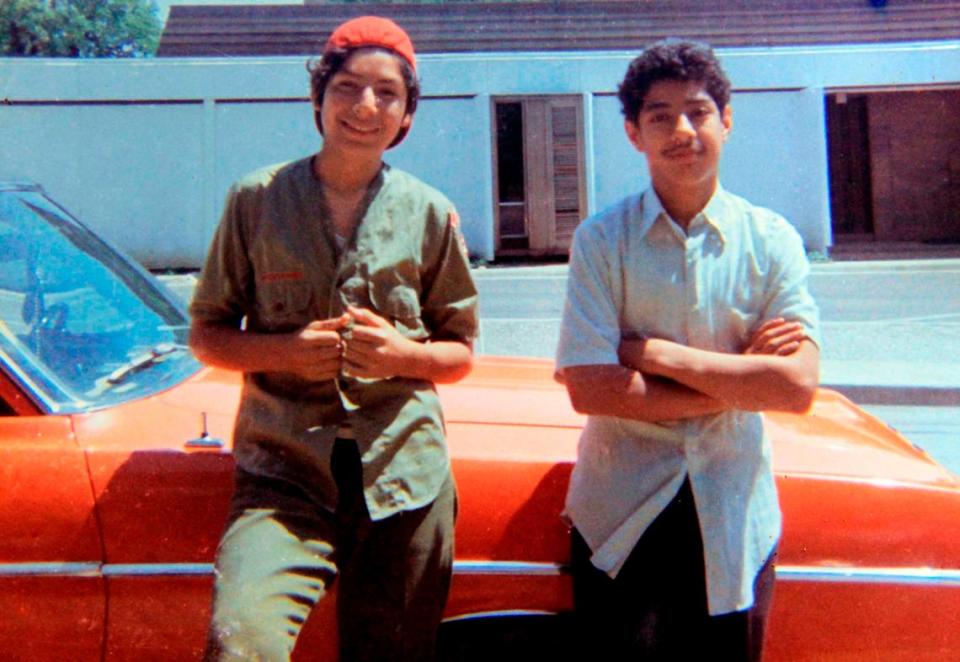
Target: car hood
(836,439)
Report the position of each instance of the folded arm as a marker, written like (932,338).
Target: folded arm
(753,382)
(661,380)
(615,390)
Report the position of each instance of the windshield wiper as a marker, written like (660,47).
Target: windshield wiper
(136,364)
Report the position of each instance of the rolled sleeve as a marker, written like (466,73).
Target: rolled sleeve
(222,292)
(449,300)
(590,327)
(788,286)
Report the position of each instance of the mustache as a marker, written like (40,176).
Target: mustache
(687,148)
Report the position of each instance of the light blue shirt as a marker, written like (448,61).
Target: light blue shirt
(635,273)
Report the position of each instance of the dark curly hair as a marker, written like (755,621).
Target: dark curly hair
(672,59)
(324,68)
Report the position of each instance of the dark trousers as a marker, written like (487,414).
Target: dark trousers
(281,551)
(656,608)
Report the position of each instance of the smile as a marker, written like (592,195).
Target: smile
(360,129)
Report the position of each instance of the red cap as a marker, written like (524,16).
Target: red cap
(373,31)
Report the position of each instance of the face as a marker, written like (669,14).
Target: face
(364,104)
(681,131)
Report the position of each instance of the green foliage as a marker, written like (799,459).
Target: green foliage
(79,28)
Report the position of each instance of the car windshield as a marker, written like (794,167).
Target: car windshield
(80,326)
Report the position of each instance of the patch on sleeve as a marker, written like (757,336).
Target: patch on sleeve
(454,219)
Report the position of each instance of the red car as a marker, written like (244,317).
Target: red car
(115,472)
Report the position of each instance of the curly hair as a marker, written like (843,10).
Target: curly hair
(672,59)
(324,68)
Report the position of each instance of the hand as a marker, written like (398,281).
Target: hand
(315,351)
(374,348)
(776,336)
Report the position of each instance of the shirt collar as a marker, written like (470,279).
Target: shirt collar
(714,214)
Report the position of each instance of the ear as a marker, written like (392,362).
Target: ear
(318,120)
(406,121)
(317,112)
(726,117)
(634,135)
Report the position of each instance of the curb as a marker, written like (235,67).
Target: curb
(867,266)
(907,396)
(831,267)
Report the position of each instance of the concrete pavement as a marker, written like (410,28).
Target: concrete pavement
(898,358)
(890,360)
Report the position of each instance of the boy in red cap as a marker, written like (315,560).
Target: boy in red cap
(340,287)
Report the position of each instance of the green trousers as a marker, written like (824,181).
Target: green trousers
(281,552)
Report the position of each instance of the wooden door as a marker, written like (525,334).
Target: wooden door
(539,174)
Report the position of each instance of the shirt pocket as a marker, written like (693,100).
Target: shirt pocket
(400,305)
(283,306)
(743,315)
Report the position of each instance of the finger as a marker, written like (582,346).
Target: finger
(323,353)
(781,344)
(793,336)
(332,324)
(771,327)
(367,317)
(356,352)
(788,349)
(368,335)
(358,369)
(764,337)
(320,338)
(769,324)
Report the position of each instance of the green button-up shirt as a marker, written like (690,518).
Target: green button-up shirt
(274,263)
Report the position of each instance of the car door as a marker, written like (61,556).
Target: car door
(52,592)
(162,491)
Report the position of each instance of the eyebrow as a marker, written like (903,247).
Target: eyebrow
(353,74)
(661,105)
(655,105)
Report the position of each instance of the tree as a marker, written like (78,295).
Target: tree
(79,28)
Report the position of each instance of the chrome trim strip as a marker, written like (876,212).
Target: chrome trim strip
(200,569)
(156,569)
(909,576)
(54,569)
(507,568)
(791,573)
(501,613)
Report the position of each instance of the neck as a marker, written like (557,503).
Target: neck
(684,203)
(345,173)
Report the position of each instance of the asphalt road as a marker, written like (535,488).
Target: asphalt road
(906,312)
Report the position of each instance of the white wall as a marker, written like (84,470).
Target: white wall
(143,151)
